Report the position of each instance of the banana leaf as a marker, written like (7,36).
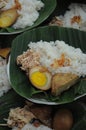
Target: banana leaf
(46,11)
(19,80)
(13,100)
(8,101)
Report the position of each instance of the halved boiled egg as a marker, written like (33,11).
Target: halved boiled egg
(40,77)
(8,17)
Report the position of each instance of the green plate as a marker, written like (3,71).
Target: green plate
(49,6)
(19,80)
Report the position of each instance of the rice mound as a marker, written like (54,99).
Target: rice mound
(4,82)
(31,127)
(51,51)
(28,13)
(76,10)
(74,17)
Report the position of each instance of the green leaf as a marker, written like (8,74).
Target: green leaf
(8,101)
(46,11)
(81,89)
(18,78)
(80,125)
(13,100)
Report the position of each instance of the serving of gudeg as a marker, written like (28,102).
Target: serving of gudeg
(19,13)
(54,65)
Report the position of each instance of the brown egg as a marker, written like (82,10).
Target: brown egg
(63,120)
(40,77)
(8,17)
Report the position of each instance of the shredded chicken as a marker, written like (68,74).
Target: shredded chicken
(19,117)
(56,21)
(2,5)
(28,60)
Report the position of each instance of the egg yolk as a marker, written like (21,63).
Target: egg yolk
(38,78)
(5,21)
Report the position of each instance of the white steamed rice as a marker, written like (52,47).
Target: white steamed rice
(75,9)
(31,127)
(49,51)
(28,14)
(4,83)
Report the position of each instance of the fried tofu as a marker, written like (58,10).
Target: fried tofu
(62,82)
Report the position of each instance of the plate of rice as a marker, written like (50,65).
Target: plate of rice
(17,16)
(74,16)
(49,69)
